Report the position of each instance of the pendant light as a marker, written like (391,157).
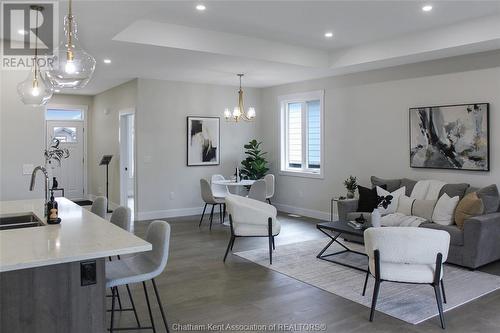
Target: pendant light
(239,111)
(35,90)
(71,67)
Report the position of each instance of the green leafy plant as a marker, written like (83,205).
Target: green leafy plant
(351,183)
(255,165)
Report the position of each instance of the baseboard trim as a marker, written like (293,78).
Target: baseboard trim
(169,213)
(315,214)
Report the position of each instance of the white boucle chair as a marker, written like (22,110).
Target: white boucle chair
(141,268)
(251,218)
(408,255)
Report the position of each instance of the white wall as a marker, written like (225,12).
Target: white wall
(161,143)
(366,125)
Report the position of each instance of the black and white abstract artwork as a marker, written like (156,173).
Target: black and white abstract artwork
(450,137)
(203,141)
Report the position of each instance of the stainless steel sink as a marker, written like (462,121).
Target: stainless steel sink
(20,220)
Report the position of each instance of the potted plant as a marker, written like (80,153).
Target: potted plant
(351,185)
(255,165)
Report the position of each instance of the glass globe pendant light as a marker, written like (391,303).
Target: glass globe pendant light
(35,90)
(71,67)
(238,111)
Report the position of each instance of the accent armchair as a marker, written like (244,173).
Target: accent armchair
(251,218)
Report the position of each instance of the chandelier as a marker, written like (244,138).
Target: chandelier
(35,90)
(239,111)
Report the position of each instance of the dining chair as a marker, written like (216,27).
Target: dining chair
(219,191)
(251,218)
(269,179)
(99,207)
(407,255)
(258,190)
(141,268)
(209,199)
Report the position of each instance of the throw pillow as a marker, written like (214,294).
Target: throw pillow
(490,197)
(468,207)
(454,189)
(423,208)
(394,202)
(368,199)
(444,212)
(404,205)
(409,184)
(391,184)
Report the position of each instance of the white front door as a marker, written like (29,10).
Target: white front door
(70,175)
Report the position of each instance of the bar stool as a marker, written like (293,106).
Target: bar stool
(99,206)
(141,268)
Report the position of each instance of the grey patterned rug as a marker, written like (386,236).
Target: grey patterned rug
(411,303)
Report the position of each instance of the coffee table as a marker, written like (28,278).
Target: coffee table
(333,230)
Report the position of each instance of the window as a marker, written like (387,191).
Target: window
(65,134)
(62,114)
(302,134)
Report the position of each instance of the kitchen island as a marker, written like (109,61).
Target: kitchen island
(52,277)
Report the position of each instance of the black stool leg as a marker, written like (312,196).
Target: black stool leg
(133,305)
(160,305)
(366,281)
(149,307)
(118,297)
(112,309)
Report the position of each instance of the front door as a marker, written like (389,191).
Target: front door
(70,175)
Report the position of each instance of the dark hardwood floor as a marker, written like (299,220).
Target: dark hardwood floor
(197,288)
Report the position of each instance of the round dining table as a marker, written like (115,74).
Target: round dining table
(233,183)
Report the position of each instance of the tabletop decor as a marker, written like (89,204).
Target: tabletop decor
(255,165)
(203,141)
(351,184)
(450,137)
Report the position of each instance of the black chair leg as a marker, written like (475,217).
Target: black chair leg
(211,216)
(268,200)
(119,299)
(376,289)
(220,214)
(229,246)
(274,247)
(232,244)
(149,307)
(160,305)
(270,236)
(133,305)
(444,294)
(111,326)
(366,282)
(202,215)
(224,213)
(439,304)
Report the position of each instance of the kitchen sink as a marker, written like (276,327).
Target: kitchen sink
(20,220)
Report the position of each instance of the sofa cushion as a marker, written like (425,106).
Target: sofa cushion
(391,208)
(423,208)
(405,204)
(470,189)
(456,235)
(468,207)
(391,184)
(454,190)
(490,197)
(368,198)
(409,184)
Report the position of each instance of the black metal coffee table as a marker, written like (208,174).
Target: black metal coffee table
(333,230)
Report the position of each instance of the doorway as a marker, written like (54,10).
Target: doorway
(127,159)
(68,126)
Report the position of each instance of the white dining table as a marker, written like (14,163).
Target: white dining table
(229,182)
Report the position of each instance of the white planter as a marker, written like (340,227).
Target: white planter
(376,218)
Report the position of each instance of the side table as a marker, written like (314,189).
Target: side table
(334,212)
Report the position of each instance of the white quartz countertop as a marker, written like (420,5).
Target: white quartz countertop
(81,235)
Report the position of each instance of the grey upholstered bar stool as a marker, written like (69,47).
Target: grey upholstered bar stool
(141,268)
(99,206)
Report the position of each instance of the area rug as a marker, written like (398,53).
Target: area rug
(410,303)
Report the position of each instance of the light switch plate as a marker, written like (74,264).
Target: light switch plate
(27,169)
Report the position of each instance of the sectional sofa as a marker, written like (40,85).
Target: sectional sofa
(474,246)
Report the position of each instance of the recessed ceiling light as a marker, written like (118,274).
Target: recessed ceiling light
(22,32)
(427,8)
(107,61)
(57,90)
(329,34)
(200,7)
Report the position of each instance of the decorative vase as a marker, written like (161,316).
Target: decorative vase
(350,194)
(376,218)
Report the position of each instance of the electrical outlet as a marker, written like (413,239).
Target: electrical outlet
(88,273)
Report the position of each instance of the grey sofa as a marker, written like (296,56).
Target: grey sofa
(474,246)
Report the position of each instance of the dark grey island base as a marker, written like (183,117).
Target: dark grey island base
(51,299)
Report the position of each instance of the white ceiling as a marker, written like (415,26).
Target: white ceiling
(274,42)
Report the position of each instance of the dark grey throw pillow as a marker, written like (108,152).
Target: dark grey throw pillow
(490,197)
(409,184)
(454,190)
(392,184)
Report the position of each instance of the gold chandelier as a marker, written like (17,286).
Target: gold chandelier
(238,111)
